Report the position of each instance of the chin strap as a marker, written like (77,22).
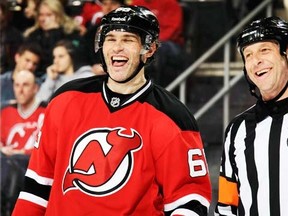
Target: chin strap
(280,94)
(253,92)
(252,88)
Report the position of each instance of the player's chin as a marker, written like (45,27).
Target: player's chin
(118,78)
(118,75)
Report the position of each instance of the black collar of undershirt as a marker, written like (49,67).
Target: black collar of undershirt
(116,100)
(274,109)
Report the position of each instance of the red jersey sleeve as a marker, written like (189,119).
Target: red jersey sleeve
(183,170)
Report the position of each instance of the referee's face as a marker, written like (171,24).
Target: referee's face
(266,68)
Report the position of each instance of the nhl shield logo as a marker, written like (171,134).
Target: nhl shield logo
(115,102)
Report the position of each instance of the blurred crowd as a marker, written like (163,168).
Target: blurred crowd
(47,22)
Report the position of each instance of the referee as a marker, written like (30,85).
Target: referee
(254,168)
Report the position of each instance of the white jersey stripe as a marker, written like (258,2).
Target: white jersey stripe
(261,146)
(184,212)
(32,198)
(186,199)
(283,169)
(39,179)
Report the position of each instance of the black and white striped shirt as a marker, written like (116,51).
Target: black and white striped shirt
(254,168)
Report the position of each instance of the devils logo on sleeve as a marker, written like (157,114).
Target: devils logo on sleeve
(102,161)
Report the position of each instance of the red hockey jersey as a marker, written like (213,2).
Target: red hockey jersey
(102,153)
(18,130)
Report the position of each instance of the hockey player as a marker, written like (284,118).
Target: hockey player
(253,175)
(117,144)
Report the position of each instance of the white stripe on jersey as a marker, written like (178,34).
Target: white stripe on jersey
(224,210)
(32,198)
(39,179)
(186,199)
(184,212)
(245,190)
(261,152)
(228,168)
(283,169)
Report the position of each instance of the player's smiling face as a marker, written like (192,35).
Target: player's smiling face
(122,54)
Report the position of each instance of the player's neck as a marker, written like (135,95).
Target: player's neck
(129,87)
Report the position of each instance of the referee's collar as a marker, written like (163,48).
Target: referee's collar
(274,109)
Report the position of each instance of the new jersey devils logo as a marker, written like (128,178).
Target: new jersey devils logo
(102,161)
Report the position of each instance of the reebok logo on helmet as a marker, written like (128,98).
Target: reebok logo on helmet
(249,33)
(118,19)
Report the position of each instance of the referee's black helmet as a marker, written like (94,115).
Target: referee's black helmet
(135,19)
(270,28)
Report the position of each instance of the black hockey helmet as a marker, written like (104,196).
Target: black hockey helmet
(271,28)
(135,19)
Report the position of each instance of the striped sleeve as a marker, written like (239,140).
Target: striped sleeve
(228,196)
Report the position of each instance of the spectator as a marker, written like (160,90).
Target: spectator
(168,62)
(20,123)
(90,11)
(28,57)
(19,20)
(52,24)
(30,10)
(67,65)
(10,38)
(110,5)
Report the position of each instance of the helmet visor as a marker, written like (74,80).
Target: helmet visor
(146,37)
(256,35)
